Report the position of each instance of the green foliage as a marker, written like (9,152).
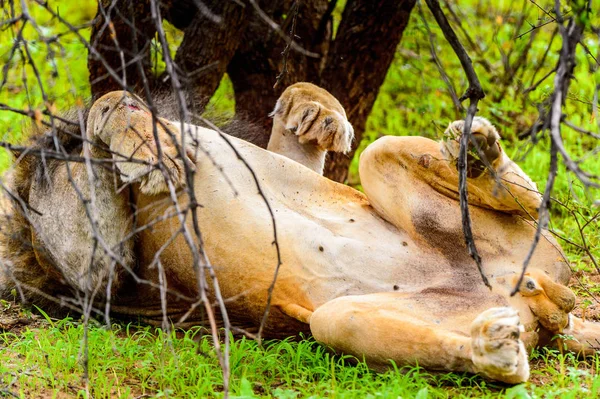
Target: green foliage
(61,65)
(414,100)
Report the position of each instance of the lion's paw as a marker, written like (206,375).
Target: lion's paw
(315,117)
(126,126)
(498,352)
(486,138)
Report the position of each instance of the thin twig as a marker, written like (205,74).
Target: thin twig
(474,93)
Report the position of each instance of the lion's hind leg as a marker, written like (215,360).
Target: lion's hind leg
(581,337)
(383,327)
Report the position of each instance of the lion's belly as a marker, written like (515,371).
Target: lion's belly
(330,240)
(328,249)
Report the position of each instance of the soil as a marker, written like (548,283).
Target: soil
(14,319)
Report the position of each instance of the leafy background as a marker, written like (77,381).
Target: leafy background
(414,100)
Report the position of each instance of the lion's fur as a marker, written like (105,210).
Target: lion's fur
(380,275)
(18,260)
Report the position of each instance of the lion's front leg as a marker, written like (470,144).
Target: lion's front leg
(307,122)
(398,174)
(126,126)
(551,304)
(380,328)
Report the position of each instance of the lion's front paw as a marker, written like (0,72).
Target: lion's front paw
(487,140)
(498,352)
(315,117)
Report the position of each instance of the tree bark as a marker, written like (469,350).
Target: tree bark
(358,61)
(112,33)
(259,60)
(207,47)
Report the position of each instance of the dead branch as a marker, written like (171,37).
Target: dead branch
(286,50)
(438,64)
(551,119)
(474,93)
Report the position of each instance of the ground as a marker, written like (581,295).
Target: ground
(41,358)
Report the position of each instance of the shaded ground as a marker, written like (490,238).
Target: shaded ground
(13,318)
(586,285)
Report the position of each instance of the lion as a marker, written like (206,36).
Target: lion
(382,275)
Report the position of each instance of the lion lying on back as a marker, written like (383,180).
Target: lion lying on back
(382,275)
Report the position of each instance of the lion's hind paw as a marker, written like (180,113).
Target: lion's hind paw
(498,352)
(315,117)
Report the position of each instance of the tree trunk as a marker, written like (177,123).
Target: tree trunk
(358,61)
(259,60)
(207,47)
(112,33)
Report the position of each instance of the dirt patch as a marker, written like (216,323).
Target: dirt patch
(15,319)
(585,286)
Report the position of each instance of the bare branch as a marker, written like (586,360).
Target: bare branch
(474,93)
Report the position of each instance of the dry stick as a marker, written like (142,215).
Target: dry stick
(535,27)
(581,130)
(571,36)
(474,93)
(198,252)
(89,205)
(458,21)
(544,216)
(275,27)
(539,82)
(271,214)
(92,177)
(438,63)
(541,62)
(286,50)
(207,12)
(586,248)
(513,69)
(13,51)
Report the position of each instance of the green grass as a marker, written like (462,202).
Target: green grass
(132,361)
(45,361)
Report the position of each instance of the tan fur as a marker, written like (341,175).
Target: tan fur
(308,122)
(381,275)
